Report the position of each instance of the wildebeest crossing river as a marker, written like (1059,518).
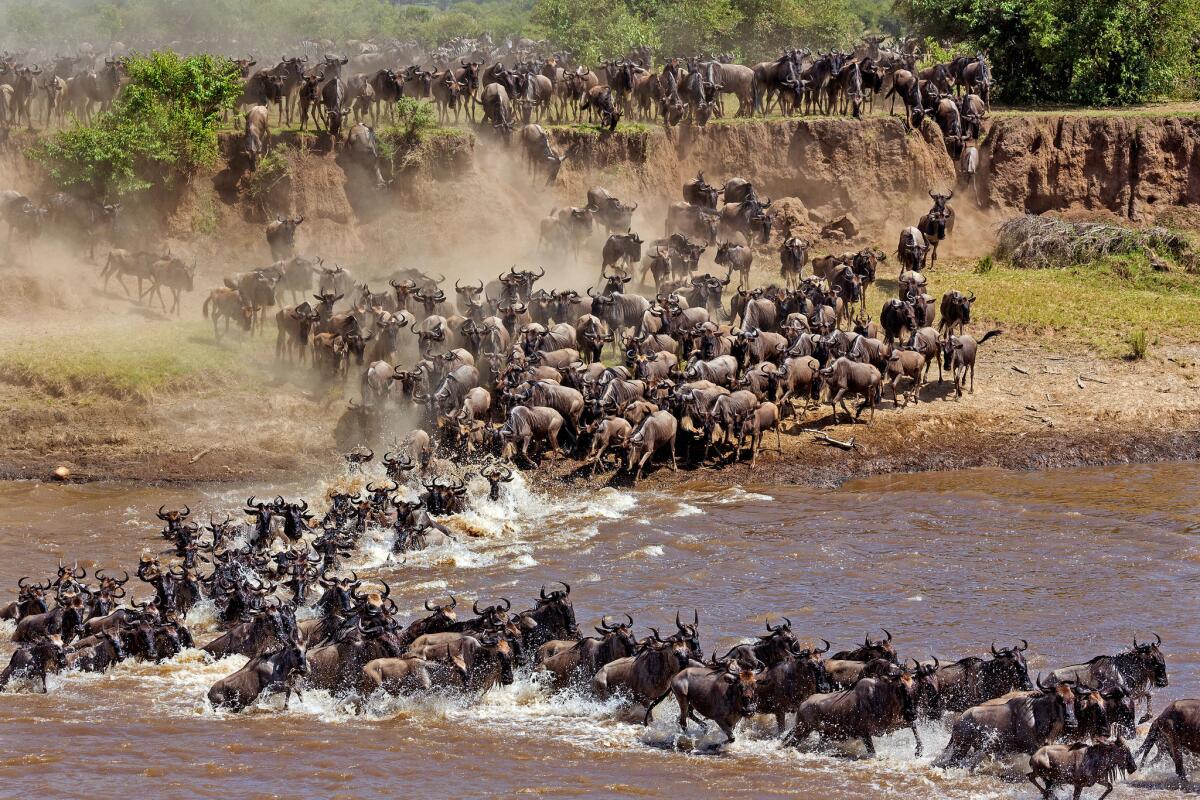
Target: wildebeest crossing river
(1076,561)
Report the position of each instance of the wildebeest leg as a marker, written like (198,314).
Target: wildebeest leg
(1045,790)
(917,736)
(1107,788)
(650,708)
(674,464)
(868,743)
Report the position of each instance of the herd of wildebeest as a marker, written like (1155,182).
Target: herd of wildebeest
(699,365)
(283,598)
(524,84)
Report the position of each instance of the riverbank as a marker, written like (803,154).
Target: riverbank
(145,398)
(112,389)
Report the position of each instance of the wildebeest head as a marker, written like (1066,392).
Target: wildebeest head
(443,615)
(690,635)
(741,687)
(556,611)
(1063,695)
(338,595)
(1153,660)
(498,648)
(927,689)
(1008,667)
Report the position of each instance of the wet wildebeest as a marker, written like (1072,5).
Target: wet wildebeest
(971,681)
(646,677)
(1137,670)
(1175,730)
(1019,724)
(874,706)
(35,661)
(1081,765)
(274,672)
(725,695)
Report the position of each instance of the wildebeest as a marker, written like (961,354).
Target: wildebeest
(35,661)
(621,249)
(912,249)
(848,377)
(646,677)
(735,257)
(1137,670)
(1019,724)
(725,695)
(958,356)
(656,432)
(971,681)
(1080,765)
(277,671)
(256,140)
(173,273)
(524,425)
(936,225)
(1174,731)
(281,236)
(793,255)
(955,309)
(874,706)
(227,304)
(363,148)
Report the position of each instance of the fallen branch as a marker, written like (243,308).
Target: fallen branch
(1090,378)
(827,439)
(200,455)
(1021,370)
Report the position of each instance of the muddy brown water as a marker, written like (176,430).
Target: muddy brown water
(1076,561)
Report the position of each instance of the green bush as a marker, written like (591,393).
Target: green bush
(272,169)
(985,265)
(1090,52)
(162,127)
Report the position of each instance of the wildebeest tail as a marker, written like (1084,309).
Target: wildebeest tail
(204,308)
(989,335)
(755,97)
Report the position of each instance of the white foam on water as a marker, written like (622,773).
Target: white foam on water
(737,494)
(649,551)
(687,510)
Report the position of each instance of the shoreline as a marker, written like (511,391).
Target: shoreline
(1122,412)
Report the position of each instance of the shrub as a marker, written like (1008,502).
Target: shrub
(161,128)
(1137,344)
(1040,241)
(272,169)
(985,265)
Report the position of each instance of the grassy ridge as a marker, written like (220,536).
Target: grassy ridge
(1098,305)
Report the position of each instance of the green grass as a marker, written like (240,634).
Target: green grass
(1096,305)
(127,364)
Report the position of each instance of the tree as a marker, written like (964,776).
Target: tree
(1092,52)
(593,29)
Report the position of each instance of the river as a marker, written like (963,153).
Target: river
(1076,561)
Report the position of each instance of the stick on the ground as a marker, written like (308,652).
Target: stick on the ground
(1021,370)
(825,437)
(200,455)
